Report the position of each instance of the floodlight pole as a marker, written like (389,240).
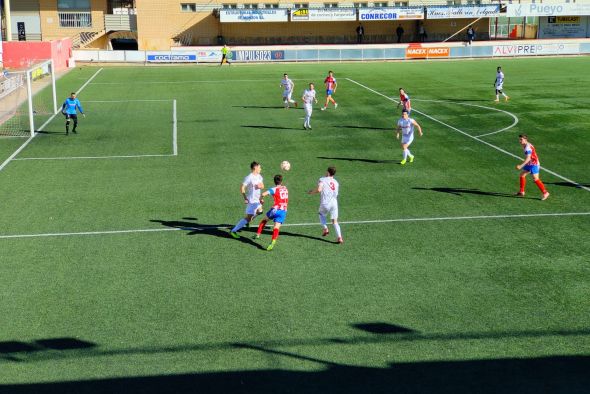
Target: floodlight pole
(30,95)
(8,20)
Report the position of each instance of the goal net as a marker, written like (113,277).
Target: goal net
(27,99)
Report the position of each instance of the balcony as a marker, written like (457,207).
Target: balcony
(75,19)
(120,22)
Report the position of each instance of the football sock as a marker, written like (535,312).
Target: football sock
(405,154)
(261,227)
(337,228)
(323,220)
(497,97)
(275,234)
(409,153)
(540,186)
(522,183)
(238,226)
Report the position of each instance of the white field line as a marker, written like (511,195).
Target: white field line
(472,137)
(174,137)
(194,81)
(125,101)
(382,221)
(514,123)
(174,130)
(24,145)
(91,157)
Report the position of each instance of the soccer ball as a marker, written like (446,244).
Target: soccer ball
(285,166)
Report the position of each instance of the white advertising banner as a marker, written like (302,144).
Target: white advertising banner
(563,27)
(463,11)
(390,14)
(540,9)
(536,49)
(254,15)
(323,14)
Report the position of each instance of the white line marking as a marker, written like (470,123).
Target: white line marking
(195,81)
(480,106)
(125,101)
(24,145)
(174,137)
(90,157)
(473,137)
(174,130)
(400,220)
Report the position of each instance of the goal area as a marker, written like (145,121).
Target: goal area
(28,99)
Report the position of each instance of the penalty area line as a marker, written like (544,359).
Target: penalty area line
(472,137)
(352,222)
(24,145)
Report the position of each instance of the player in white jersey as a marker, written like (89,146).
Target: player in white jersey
(250,189)
(328,188)
(288,87)
(499,85)
(308,99)
(405,126)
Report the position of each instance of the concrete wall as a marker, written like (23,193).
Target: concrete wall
(50,19)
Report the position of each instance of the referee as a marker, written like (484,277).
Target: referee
(69,108)
(224,55)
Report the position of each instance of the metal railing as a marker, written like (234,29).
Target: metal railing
(75,19)
(117,22)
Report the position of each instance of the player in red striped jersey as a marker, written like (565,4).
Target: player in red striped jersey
(331,86)
(530,165)
(278,212)
(404,101)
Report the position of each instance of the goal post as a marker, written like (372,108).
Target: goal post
(28,98)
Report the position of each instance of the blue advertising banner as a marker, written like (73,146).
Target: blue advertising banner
(262,55)
(171,57)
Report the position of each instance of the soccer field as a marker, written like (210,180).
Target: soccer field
(118,273)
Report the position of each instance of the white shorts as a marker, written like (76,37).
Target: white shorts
(499,86)
(331,209)
(252,207)
(407,138)
(287,94)
(308,110)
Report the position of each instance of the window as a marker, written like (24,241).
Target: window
(67,5)
(252,6)
(401,3)
(188,7)
(473,1)
(271,5)
(361,5)
(229,6)
(330,5)
(301,5)
(381,4)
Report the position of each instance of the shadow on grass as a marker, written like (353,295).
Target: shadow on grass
(569,184)
(47,132)
(272,127)
(260,107)
(10,350)
(366,128)
(358,159)
(555,375)
(193,227)
(459,191)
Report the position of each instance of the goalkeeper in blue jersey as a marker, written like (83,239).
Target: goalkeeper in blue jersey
(69,109)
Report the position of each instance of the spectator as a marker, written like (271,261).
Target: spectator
(422,33)
(360,32)
(400,32)
(470,35)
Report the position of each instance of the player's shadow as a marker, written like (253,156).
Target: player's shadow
(270,127)
(284,233)
(258,106)
(47,132)
(365,128)
(196,228)
(459,191)
(358,159)
(569,184)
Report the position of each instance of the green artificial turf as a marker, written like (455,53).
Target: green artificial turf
(135,285)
